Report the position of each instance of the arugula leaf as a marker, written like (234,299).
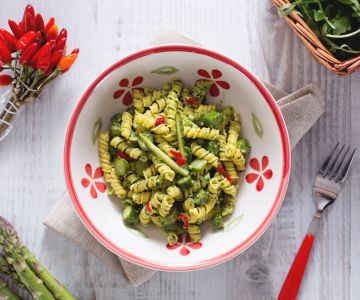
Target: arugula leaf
(342,24)
(319,15)
(331,21)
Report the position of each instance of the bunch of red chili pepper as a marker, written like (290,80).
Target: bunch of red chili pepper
(34,51)
(31,56)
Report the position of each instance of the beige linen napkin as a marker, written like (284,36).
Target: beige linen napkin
(300,110)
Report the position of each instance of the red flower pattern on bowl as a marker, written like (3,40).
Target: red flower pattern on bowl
(215,79)
(126,91)
(92,182)
(259,174)
(185,244)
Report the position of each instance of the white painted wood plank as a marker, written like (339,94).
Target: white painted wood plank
(31,172)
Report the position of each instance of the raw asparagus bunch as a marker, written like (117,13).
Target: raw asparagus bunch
(6,293)
(21,265)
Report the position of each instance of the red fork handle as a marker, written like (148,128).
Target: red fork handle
(293,280)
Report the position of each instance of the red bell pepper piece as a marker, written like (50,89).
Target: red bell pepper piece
(185,219)
(193,101)
(49,24)
(52,33)
(5,80)
(43,60)
(16,30)
(30,22)
(148,207)
(123,155)
(224,173)
(39,22)
(5,54)
(159,120)
(60,44)
(8,39)
(66,62)
(175,153)
(181,161)
(28,53)
(26,40)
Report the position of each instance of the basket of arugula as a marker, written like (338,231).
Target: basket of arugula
(330,29)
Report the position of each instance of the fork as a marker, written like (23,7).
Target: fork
(328,183)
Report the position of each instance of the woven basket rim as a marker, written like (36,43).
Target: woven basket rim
(316,47)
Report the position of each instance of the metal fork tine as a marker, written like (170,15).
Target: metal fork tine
(345,170)
(327,161)
(340,162)
(332,162)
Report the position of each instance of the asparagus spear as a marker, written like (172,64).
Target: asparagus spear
(180,134)
(38,280)
(6,293)
(162,156)
(34,284)
(7,269)
(58,290)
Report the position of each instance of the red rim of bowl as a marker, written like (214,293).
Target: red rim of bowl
(284,177)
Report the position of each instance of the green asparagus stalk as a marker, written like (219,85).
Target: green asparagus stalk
(41,284)
(180,134)
(8,269)
(162,156)
(6,293)
(57,289)
(34,284)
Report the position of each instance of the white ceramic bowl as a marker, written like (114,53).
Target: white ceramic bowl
(262,185)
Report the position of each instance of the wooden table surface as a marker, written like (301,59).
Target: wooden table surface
(31,158)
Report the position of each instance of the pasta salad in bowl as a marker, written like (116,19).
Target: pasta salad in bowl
(177,158)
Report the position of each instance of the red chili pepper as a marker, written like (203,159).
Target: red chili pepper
(30,22)
(22,27)
(9,40)
(75,51)
(29,9)
(123,155)
(185,219)
(5,55)
(193,101)
(62,34)
(159,120)
(16,30)
(49,24)
(39,22)
(34,59)
(66,62)
(60,44)
(55,58)
(44,58)
(224,173)
(52,45)
(52,33)
(28,53)
(175,153)
(26,40)
(148,207)
(181,161)
(38,36)
(5,80)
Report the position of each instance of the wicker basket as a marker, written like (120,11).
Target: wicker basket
(317,49)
